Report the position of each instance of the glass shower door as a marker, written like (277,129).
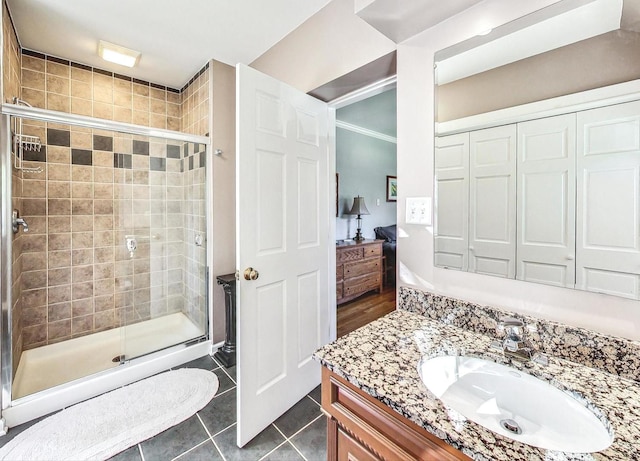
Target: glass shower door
(161,228)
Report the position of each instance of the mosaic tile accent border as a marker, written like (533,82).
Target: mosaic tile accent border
(612,354)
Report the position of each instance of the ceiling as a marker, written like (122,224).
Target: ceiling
(544,30)
(400,20)
(176,39)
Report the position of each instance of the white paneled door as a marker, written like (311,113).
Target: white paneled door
(282,246)
(546,201)
(492,201)
(452,201)
(608,206)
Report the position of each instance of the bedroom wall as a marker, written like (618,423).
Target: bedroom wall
(363,163)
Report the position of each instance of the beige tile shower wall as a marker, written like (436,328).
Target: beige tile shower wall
(79,277)
(10,58)
(68,269)
(58,84)
(195,120)
(101,188)
(195,233)
(195,103)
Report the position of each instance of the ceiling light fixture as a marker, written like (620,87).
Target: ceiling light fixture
(118,54)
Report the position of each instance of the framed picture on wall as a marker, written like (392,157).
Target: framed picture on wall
(392,189)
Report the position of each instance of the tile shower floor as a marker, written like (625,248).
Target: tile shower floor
(210,434)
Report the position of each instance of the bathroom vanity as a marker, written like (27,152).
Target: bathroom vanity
(379,408)
(360,427)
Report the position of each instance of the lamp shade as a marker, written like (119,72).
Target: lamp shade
(358,206)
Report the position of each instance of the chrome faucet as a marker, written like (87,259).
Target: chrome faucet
(18,221)
(515,345)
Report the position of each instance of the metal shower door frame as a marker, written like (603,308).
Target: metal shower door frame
(6,233)
(6,255)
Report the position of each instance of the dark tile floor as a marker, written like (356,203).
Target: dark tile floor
(210,434)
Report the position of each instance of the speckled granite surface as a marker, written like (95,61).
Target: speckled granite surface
(615,355)
(382,359)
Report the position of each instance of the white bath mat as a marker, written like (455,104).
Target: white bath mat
(110,423)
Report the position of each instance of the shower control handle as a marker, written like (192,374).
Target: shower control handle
(18,221)
(251,274)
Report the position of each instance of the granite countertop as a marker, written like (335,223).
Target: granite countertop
(382,359)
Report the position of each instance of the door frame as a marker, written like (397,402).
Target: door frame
(367,91)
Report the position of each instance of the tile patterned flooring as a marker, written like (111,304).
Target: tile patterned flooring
(210,434)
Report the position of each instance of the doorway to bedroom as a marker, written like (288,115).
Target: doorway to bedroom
(366,180)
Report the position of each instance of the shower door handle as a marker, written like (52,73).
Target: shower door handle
(251,274)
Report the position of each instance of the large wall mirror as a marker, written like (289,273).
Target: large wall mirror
(537,156)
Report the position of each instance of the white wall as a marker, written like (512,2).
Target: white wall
(607,314)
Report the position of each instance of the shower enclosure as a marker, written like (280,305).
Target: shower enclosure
(104,248)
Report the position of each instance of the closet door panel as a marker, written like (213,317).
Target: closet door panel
(546,201)
(452,201)
(608,205)
(492,201)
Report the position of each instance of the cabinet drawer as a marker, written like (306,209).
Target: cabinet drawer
(361,284)
(355,269)
(349,254)
(339,272)
(339,291)
(372,250)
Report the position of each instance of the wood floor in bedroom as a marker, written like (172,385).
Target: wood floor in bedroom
(365,309)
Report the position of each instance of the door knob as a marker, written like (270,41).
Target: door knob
(251,274)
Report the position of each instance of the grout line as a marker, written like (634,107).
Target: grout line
(224,392)
(306,426)
(221,431)
(296,449)
(288,439)
(230,377)
(212,436)
(190,449)
(284,442)
(278,429)
(219,450)
(203,425)
(300,431)
(314,400)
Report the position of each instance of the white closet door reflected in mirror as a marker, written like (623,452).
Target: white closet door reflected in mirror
(546,200)
(492,201)
(554,200)
(608,214)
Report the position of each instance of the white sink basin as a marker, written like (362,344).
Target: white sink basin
(514,404)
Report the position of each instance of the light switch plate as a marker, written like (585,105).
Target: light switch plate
(418,210)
